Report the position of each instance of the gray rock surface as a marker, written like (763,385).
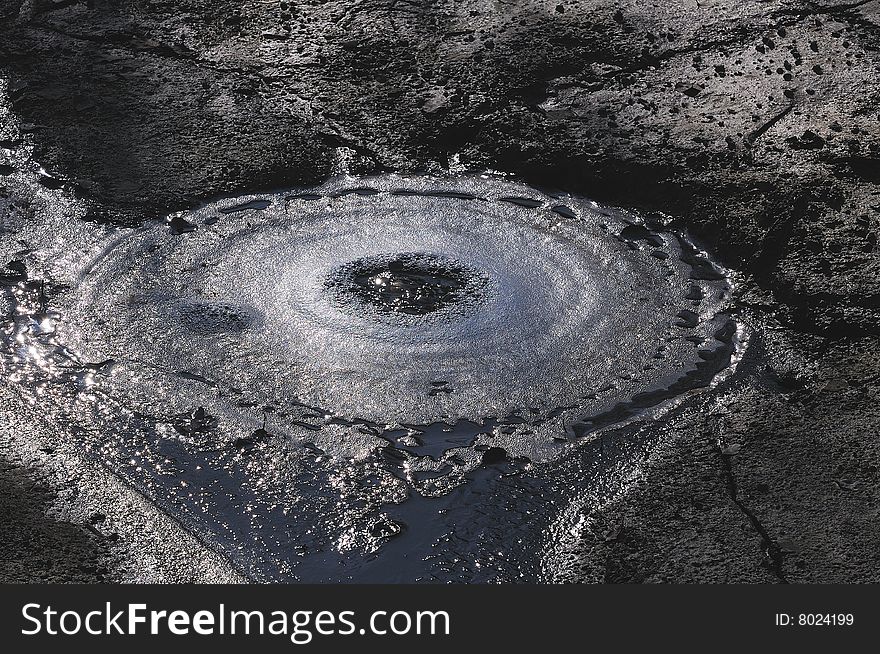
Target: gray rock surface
(756,126)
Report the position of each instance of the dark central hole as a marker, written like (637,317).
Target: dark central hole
(411,283)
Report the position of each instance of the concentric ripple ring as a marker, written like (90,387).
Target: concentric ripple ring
(337,298)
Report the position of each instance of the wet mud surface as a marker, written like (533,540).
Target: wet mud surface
(753,130)
(328,385)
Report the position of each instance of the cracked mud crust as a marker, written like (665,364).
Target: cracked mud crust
(755,126)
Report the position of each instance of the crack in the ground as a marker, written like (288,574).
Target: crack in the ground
(774,556)
(763,128)
(844,13)
(654,60)
(819,10)
(740,36)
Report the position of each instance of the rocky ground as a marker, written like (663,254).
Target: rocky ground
(755,126)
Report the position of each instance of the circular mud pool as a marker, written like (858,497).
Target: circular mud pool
(364,297)
(281,369)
